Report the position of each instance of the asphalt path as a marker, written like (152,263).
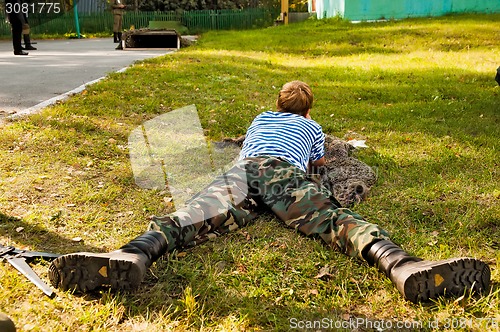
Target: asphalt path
(57,69)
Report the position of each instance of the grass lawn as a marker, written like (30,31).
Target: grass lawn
(422,93)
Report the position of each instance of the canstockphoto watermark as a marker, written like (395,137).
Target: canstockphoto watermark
(352,324)
(482,323)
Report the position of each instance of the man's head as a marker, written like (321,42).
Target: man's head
(295,97)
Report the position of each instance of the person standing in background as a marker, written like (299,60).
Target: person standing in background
(16,19)
(26,34)
(118,12)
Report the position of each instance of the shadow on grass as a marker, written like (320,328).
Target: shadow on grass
(35,237)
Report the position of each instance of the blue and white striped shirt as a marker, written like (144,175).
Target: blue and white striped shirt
(284,135)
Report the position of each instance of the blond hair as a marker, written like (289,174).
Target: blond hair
(295,97)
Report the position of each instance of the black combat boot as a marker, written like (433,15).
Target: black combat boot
(121,269)
(418,280)
(27,43)
(120,44)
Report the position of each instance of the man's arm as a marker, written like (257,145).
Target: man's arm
(320,162)
(312,167)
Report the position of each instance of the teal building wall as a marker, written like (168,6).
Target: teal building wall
(363,10)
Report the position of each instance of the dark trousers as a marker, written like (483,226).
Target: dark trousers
(17,32)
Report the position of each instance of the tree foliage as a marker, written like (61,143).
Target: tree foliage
(180,5)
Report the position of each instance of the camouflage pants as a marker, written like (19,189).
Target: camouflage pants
(255,185)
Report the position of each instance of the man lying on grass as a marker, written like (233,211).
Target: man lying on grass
(272,175)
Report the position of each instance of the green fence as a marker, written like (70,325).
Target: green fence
(229,19)
(195,21)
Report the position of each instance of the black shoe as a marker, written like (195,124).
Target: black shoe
(122,269)
(84,271)
(418,280)
(421,281)
(20,53)
(29,47)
